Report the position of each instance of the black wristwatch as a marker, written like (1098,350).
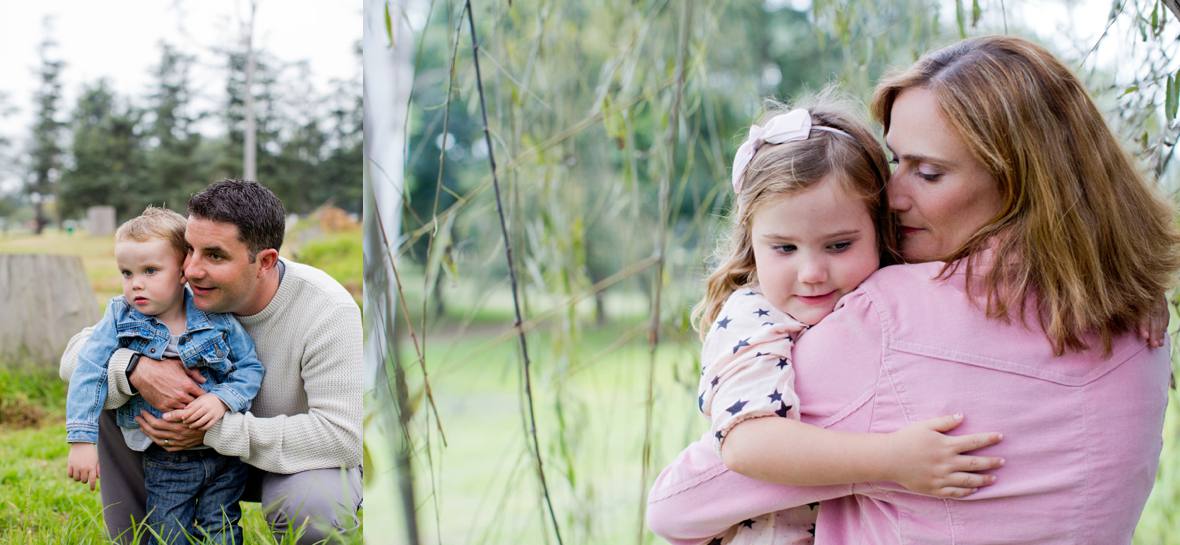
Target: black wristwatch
(131,363)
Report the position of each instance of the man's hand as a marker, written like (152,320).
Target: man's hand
(82,463)
(200,414)
(166,384)
(172,436)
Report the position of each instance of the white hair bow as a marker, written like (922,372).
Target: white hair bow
(792,126)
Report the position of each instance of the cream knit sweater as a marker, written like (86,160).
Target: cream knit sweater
(308,413)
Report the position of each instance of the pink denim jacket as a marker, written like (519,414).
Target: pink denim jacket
(1082,432)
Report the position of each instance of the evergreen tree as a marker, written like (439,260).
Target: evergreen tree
(172,171)
(45,155)
(234,114)
(108,162)
(341,170)
(7,161)
(6,110)
(297,177)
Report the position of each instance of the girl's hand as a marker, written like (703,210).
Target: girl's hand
(1154,326)
(925,460)
(82,463)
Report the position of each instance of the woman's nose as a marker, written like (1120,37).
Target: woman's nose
(897,194)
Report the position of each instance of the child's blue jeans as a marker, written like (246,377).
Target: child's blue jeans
(193,493)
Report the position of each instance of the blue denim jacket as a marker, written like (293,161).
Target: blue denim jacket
(214,344)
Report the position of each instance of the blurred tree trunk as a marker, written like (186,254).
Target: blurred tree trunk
(250,151)
(595,276)
(388,79)
(45,157)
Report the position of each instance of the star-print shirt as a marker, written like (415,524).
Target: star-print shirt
(746,373)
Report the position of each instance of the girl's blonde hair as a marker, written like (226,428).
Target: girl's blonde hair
(1080,233)
(855,158)
(155,223)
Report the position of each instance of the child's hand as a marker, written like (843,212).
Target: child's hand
(925,460)
(82,463)
(1154,326)
(202,412)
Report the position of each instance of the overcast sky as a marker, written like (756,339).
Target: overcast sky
(119,40)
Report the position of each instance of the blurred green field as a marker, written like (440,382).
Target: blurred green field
(590,419)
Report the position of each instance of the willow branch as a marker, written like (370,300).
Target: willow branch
(524,351)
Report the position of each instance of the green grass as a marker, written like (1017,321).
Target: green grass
(40,504)
(338,254)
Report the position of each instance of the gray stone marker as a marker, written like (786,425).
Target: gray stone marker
(100,221)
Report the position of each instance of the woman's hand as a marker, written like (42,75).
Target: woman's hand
(1153,327)
(922,458)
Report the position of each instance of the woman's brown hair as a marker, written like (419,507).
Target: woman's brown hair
(1080,233)
(855,157)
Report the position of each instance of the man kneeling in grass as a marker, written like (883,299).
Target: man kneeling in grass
(194,492)
(302,437)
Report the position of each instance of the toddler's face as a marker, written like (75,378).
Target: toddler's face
(812,247)
(153,282)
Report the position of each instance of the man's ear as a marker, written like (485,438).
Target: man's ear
(267,259)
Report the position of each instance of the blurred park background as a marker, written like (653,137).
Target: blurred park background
(105,109)
(612,125)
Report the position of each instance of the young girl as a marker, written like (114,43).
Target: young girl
(810,224)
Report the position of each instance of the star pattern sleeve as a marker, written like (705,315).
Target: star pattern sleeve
(746,367)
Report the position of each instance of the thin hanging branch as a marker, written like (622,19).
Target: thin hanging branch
(439,182)
(653,337)
(401,301)
(524,350)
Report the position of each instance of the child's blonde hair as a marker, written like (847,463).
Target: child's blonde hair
(157,223)
(857,160)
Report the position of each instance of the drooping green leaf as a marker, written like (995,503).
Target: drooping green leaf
(1170,99)
(1155,19)
(976,13)
(389,25)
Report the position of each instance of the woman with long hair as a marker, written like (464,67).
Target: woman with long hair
(1034,250)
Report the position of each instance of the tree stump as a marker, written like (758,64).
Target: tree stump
(44,300)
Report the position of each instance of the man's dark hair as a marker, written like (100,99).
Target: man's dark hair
(257,212)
